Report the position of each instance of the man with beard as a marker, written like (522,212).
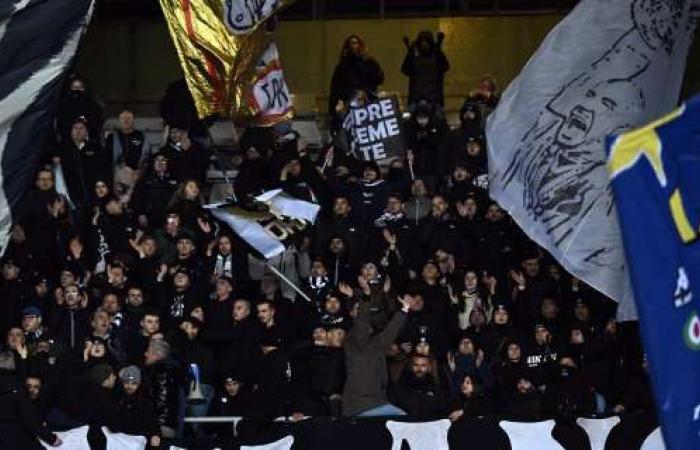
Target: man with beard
(418,392)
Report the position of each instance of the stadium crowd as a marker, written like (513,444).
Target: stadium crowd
(118,288)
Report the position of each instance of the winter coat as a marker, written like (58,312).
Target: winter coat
(420,398)
(351,74)
(365,360)
(138,416)
(426,71)
(151,197)
(164,385)
(478,405)
(190,164)
(20,424)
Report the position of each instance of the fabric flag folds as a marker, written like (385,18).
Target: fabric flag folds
(38,40)
(270,223)
(607,67)
(654,174)
(224,52)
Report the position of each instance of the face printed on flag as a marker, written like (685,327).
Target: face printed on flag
(609,66)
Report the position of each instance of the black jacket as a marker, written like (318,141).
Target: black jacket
(19,422)
(420,397)
(425,71)
(138,416)
(353,73)
(151,197)
(164,385)
(82,167)
(479,404)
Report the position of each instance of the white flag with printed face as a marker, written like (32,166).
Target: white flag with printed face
(608,66)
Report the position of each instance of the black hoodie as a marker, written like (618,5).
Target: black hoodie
(20,424)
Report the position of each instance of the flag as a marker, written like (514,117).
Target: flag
(373,129)
(244,16)
(270,99)
(38,40)
(607,67)
(224,52)
(654,172)
(271,223)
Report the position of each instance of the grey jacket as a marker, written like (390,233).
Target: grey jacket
(365,359)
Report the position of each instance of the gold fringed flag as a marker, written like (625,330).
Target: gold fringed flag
(226,57)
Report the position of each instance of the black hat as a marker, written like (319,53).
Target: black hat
(233,376)
(31,311)
(99,373)
(181,270)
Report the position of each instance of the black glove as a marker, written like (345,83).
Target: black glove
(440,38)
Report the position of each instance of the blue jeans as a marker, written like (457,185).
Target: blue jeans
(383,410)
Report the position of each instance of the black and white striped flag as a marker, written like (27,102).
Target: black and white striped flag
(38,39)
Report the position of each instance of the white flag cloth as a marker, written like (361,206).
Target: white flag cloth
(74,439)
(283,444)
(283,204)
(122,441)
(268,231)
(608,66)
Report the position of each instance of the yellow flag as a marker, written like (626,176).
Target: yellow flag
(221,45)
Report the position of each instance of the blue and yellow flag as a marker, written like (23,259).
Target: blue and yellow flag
(655,175)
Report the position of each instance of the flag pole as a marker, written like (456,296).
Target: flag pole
(287,280)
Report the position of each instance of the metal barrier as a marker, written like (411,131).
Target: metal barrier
(234,420)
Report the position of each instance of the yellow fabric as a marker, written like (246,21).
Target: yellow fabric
(630,147)
(219,66)
(685,229)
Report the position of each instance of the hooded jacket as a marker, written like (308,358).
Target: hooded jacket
(426,70)
(20,424)
(365,360)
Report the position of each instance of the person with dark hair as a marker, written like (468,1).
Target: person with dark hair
(425,66)
(20,425)
(177,109)
(187,158)
(234,399)
(135,409)
(365,392)
(82,161)
(424,132)
(356,71)
(418,392)
(472,400)
(153,192)
(78,103)
(137,342)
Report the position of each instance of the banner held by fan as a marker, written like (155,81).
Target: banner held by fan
(221,66)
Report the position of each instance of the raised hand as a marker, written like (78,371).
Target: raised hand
(518,278)
(364,284)
(345,289)
(387,284)
(389,237)
(204,225)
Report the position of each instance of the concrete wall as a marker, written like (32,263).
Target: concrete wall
(132,62)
